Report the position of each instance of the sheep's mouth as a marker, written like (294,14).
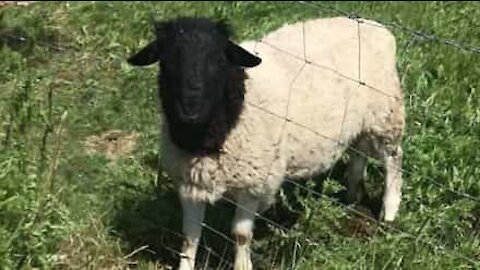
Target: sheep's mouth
(192,114)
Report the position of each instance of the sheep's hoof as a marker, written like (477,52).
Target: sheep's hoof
(244,265)
(385,224)
(186,265)
(242,258)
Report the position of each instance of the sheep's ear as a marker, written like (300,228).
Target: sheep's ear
(239,56)
(146,56)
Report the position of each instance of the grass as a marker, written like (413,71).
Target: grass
(62,207)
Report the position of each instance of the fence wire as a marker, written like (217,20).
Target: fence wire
(203,246)
(349,209)
(386,225)
(362,83)
(449,42)
(286,119)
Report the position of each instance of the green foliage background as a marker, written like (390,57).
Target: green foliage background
(67,79)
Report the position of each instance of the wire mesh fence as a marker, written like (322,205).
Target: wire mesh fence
(436,247)
(364,86)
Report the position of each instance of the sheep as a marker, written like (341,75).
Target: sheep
(235,115)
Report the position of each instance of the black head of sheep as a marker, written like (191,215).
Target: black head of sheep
(200,79)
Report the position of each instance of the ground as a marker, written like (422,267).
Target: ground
(79,182)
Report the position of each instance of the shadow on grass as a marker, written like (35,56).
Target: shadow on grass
(153,218)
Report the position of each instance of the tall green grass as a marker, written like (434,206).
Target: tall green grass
(67,79)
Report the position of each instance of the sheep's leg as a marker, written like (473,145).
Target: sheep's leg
(393,185)
(193,215)
(356,172)
(242,229)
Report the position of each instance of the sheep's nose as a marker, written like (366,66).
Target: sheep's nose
(194,80)
(190,110)
(191,102)
(192,107)
(195,85)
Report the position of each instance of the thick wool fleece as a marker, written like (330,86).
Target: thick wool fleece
(263,148)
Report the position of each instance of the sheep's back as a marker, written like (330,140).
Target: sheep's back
(313,79)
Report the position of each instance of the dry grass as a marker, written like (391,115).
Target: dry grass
(113,144)
(16,3)
(90,247)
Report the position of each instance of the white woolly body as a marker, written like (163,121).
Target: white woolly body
(263,148)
